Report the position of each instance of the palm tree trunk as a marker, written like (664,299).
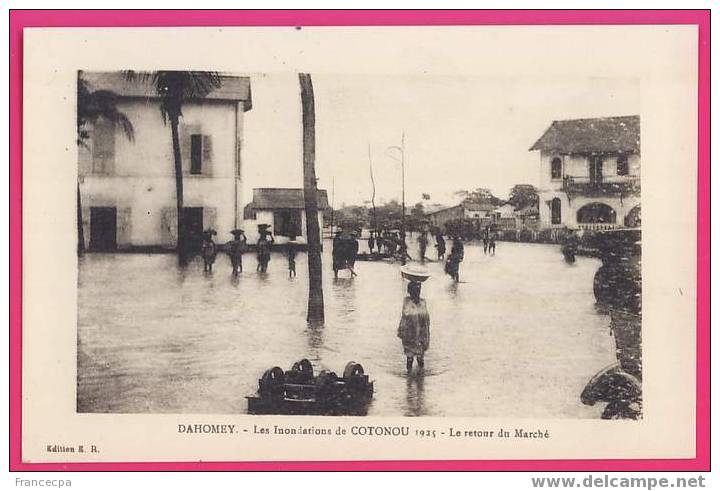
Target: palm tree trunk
(316,306)
(181,239)
(80,234)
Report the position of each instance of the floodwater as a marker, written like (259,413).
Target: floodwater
(518,337)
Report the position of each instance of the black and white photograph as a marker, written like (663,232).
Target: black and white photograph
(359,244)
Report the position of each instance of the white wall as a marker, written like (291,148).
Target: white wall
(569,207)
(577,166)
(266,216)
(141,182)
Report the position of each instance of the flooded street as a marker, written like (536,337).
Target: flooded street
(518,337)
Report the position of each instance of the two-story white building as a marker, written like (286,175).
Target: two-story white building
(590,173)
(127,188)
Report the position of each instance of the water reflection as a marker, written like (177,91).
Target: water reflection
(344,292)
(415,395)
(314,333)
(181,274)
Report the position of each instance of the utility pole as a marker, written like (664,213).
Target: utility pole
(401,149)
(372,200)
(402,165)
(401,160)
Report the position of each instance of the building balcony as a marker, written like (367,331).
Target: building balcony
(598,187)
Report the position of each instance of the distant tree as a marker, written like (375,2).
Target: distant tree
(426,197)
(352,217)
(479,196)
(389,215)
(522,195)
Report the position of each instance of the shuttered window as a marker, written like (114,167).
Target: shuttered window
(196,154)
(555,212)
(103,146)
(556,168)
(200,154)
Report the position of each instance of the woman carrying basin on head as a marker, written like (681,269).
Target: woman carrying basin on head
(414,328)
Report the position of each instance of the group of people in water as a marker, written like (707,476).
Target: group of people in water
(414,326)
(344,251)
(238,246)
(234,249)
(388,243)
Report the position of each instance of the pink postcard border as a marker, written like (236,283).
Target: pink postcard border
(20,19)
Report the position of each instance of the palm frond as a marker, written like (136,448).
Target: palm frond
(92,105)
(176,87)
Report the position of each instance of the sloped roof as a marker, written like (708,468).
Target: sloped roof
(274,198)
(432,208)
(440,210)
(479,206)
(619,134)
(233,88)
(528,210)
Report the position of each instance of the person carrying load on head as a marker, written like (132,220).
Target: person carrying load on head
(414,327)
(264,244)
(235,249)
(209,249)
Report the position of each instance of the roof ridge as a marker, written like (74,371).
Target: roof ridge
(596,118)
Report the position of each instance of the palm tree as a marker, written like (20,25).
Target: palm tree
(175,88)
(93,105)
(316,306)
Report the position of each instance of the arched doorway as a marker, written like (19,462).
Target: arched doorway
(633,217)
(596,213)
(555,211)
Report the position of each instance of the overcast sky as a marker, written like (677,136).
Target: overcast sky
(460,132)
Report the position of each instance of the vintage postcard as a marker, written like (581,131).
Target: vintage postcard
(247,244)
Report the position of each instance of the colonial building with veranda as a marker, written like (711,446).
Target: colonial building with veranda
(127,188)
(590,173)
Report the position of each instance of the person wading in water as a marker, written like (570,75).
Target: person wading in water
(422,245)
(457,254)
(440,246)
(209,249)
(263,247)
(414,328)
(291,253)
(235,249)
(339,252)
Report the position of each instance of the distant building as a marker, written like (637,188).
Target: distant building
(505,211)
(481,212)
(590,173)
(478,210)
(284,210)
(128,188)
(440,217)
